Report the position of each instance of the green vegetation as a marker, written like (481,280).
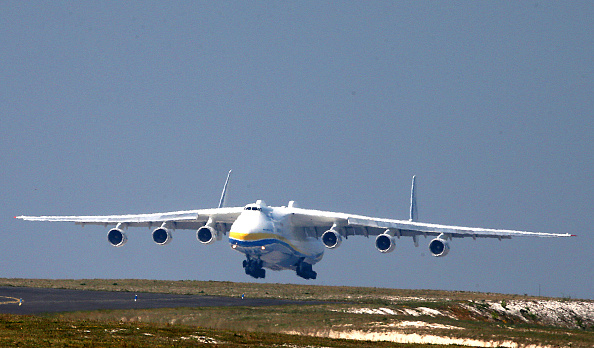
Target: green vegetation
(461,315)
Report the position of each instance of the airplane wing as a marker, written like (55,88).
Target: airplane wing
(410,228)
(185,220)
(222,218)
(316,222)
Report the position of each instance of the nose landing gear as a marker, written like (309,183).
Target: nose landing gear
(254,268)
(304,270)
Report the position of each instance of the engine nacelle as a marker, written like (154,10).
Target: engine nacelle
(116,237)
(439,247)
(207,234)
(385,243)
(331,239)
(162,236)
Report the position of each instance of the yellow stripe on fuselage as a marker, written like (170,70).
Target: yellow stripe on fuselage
(255,236)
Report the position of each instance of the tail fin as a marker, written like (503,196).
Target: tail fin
(224,193)
(413,201)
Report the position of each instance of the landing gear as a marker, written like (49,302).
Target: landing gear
(304,271)
(254,268)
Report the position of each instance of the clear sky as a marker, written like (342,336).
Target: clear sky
(139,107)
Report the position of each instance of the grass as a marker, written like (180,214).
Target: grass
(32,331)
(280,291)
(267,326)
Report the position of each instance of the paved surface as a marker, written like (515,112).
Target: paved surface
(43,300)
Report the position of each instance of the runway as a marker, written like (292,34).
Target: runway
(44,300)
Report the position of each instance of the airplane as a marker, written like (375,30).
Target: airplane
(287,237)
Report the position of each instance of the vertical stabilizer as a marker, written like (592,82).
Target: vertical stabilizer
(224,193)
(413,201)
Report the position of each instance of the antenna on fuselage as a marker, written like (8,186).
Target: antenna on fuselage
(224,193)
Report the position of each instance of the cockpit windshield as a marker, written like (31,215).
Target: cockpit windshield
(251,207)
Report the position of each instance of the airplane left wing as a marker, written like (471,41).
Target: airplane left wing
(410,228)
(317,222)
(333,226)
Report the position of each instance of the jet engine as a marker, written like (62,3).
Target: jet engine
(331,239)
(207,234)
(385,243)
(439,247)
(162,236)
(116,237)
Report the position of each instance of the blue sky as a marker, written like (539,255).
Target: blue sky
(140,107)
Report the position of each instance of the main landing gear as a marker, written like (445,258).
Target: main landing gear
(254,268)
(304,270)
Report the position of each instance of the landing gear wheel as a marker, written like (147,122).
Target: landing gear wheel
(305,271)
(254,268)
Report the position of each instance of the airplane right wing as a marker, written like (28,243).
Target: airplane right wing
(215,220)
(209,224)
(185,220)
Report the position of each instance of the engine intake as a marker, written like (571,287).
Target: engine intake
(331,239)
(207,234)
(439,247)
(162,236)
(116,237)
(385,243)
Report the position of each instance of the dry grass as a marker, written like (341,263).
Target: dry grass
(343,314)
(255,290)
(29,331)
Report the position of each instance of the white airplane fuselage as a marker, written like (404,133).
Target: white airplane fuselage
(268,238)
